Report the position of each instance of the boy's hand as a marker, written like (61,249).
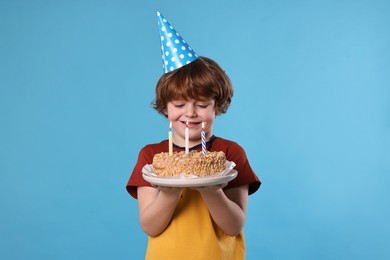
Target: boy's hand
(208,189)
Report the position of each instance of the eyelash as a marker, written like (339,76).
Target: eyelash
(182,105)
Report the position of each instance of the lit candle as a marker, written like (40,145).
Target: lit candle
(186,140)
(170,139)
(203,136)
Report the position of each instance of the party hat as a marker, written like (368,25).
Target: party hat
(175,50)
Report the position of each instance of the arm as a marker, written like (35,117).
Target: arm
(156,208)
(228,209)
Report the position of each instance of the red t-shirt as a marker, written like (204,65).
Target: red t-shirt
(233,151)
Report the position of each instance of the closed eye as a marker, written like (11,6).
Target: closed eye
(203,105)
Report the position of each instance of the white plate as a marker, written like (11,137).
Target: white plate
(189,180)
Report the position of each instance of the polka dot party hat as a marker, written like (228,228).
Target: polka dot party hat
(175,51)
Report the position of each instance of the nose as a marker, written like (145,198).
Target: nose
(191,111)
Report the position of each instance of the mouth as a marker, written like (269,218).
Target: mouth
(190,124)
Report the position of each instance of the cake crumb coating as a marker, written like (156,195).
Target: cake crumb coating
(194,163)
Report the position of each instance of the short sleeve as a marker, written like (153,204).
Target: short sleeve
(145,156)
(246,175)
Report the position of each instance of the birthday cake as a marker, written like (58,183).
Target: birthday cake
(193,163)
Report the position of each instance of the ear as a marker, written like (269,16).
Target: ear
(216,110)
(165,112)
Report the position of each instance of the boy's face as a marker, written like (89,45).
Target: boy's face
(195,112)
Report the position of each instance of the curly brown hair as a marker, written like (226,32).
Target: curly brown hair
(199,80)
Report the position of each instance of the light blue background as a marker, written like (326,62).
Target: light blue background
(311,108)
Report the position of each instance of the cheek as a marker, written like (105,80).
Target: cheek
(173,116)
(210,115)
(209,121)
(170,112)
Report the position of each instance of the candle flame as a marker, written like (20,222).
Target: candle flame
(202,124)
(170,124)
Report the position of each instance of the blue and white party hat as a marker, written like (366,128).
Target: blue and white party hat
(175,51)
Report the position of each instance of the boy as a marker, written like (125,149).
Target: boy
(202,222)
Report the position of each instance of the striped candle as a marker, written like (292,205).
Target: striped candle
(203,136)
